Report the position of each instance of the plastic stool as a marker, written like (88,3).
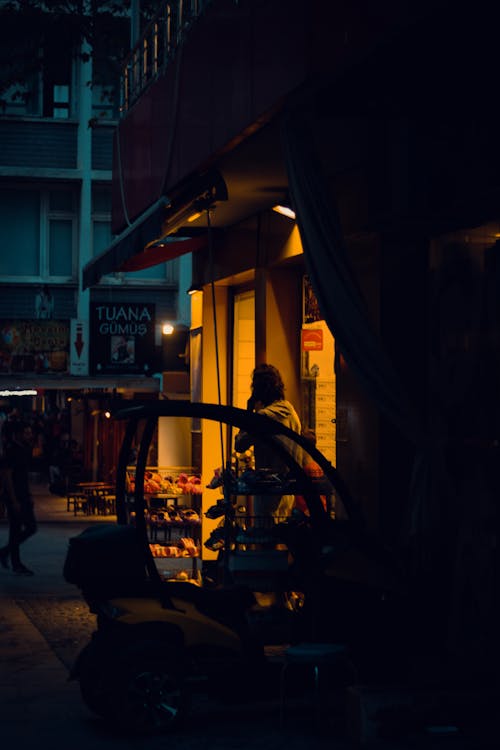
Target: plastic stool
(314,655)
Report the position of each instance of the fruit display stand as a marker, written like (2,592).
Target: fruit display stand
(172,497)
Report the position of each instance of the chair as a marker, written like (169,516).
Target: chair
(78,501)
(103,501)
(315,655)
(110,504)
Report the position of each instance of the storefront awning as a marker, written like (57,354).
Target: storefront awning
(150,239)
(137,247)
(163,250)
(129,243)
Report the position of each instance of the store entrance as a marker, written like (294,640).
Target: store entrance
(243,346)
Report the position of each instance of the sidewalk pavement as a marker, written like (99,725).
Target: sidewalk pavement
(54,509)
(39,706)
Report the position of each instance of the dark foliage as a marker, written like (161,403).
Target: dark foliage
(33,34)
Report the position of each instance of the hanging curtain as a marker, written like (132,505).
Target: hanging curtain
(339,298)
(344,311)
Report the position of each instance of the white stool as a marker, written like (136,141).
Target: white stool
(315,655)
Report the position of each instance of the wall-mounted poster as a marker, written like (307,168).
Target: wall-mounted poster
(34,346)
(122,338)
(310,307)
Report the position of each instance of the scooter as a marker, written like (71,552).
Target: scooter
(158,641)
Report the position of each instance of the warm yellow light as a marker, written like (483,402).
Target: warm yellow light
(195,216)
(285,211)
(107,414)
(167,329)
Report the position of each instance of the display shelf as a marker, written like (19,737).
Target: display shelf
(254,547)
(162,528)
(178,568)
(170,481)
(172,512)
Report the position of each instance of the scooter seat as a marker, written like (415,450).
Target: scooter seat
(227,605)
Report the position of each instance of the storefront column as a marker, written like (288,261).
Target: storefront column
(212,432)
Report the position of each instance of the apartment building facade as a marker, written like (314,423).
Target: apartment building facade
(68,347)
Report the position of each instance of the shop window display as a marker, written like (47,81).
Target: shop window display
(173,518)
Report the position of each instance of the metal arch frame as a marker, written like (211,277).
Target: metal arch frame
(267,430)
(262,426)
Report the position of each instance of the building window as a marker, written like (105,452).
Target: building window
(45,91)
(39,53)
(62,201)
(21,99)
(101,220)
(57,72)
(19,233)
(102,236)
(243,347)
(60,247)
(37,235)
(61,102)
(105,104)
(60,253)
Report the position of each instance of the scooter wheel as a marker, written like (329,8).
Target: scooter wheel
(149,696)
(93,681)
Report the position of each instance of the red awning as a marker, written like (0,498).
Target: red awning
(157,253)
(150,239)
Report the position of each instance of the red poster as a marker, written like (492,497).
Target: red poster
(312,339)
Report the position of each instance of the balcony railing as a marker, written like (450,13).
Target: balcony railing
(157,46)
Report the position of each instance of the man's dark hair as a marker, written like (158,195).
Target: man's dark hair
(267,384)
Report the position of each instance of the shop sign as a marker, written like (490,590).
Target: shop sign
(34,346)
(79,347)
(122,338)
(312,339)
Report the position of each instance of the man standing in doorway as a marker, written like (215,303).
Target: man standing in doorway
(268,399)
(18,500)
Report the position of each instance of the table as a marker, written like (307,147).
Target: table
(100,496)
